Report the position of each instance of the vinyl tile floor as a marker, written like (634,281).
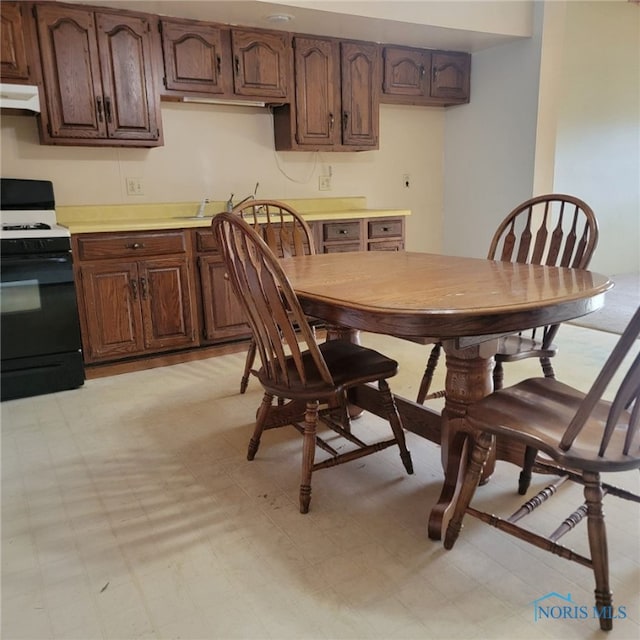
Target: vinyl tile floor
(129,511)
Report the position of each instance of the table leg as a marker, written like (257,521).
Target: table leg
(468,379)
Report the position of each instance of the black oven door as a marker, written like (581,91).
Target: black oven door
(39,325)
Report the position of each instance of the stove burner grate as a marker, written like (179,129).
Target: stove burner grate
(36,226)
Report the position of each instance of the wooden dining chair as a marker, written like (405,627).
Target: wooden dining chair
(555,230)
(296,368)
(581,435)
(286,233)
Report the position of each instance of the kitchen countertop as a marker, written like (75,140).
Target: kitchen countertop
(180,215)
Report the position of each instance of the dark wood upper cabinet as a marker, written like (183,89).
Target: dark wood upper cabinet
(406,72)
(261,63)
(360,68)
(218,61)
(14,63)
(424,76)
(336,97)
(317,78)
(98,76)
(195,59)
(450,75)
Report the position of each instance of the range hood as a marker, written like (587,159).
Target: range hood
(19,96)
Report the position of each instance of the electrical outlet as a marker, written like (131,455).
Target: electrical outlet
(324,183)
(135,187)
(406,181)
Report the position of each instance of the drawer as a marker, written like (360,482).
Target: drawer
(385,228)
(130,245)
(342,247)
(346,231)
(388,245)
(206,241)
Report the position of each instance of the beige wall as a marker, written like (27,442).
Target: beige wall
(213,150)
(557,112)
(598,130)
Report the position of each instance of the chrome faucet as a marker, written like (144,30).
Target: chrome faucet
(204,202)
(251,196)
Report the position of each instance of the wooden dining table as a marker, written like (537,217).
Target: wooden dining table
(465,303)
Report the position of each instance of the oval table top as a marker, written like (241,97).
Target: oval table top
(420,294)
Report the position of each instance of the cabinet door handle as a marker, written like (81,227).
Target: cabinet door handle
(237,62)
(331,121)
(107,109)
(422,70)
(134,289)
(345,120)
(99,108)
(135,245)
(435,74)
(218,64)
(145,290)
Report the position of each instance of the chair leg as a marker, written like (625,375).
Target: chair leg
(547,368)
(593,495)
(248,364)
(427,377)
(396,424)
(498,376)
(261,418)
(308,454)
(479,456)
(524,480)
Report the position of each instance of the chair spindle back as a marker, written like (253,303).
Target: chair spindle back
(555,230)
(271,305)
(286,233)
(625,408)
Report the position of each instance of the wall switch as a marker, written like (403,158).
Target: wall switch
(406,181)
(324,183)
(135,187)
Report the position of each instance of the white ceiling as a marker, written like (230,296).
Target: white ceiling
(325,19)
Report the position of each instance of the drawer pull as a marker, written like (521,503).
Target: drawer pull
(344,232)
(385,229)
(135,245)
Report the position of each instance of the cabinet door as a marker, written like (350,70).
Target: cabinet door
(451,74)
(261,63)
(71,70)
(130,104)
(112,311)
(14,64)
(406,72)
(360,95)
(224,318)
(317,78)
(193,57)
(167,303)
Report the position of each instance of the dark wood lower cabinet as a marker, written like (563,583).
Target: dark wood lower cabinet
(222,314)
(145,293)
(132,307)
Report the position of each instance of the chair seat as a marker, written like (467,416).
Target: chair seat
(349,364)
(540,409)
(516,347)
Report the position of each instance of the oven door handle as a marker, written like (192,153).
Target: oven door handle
(18,261)
(46,269)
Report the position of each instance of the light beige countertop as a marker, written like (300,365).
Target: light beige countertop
(181,215)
